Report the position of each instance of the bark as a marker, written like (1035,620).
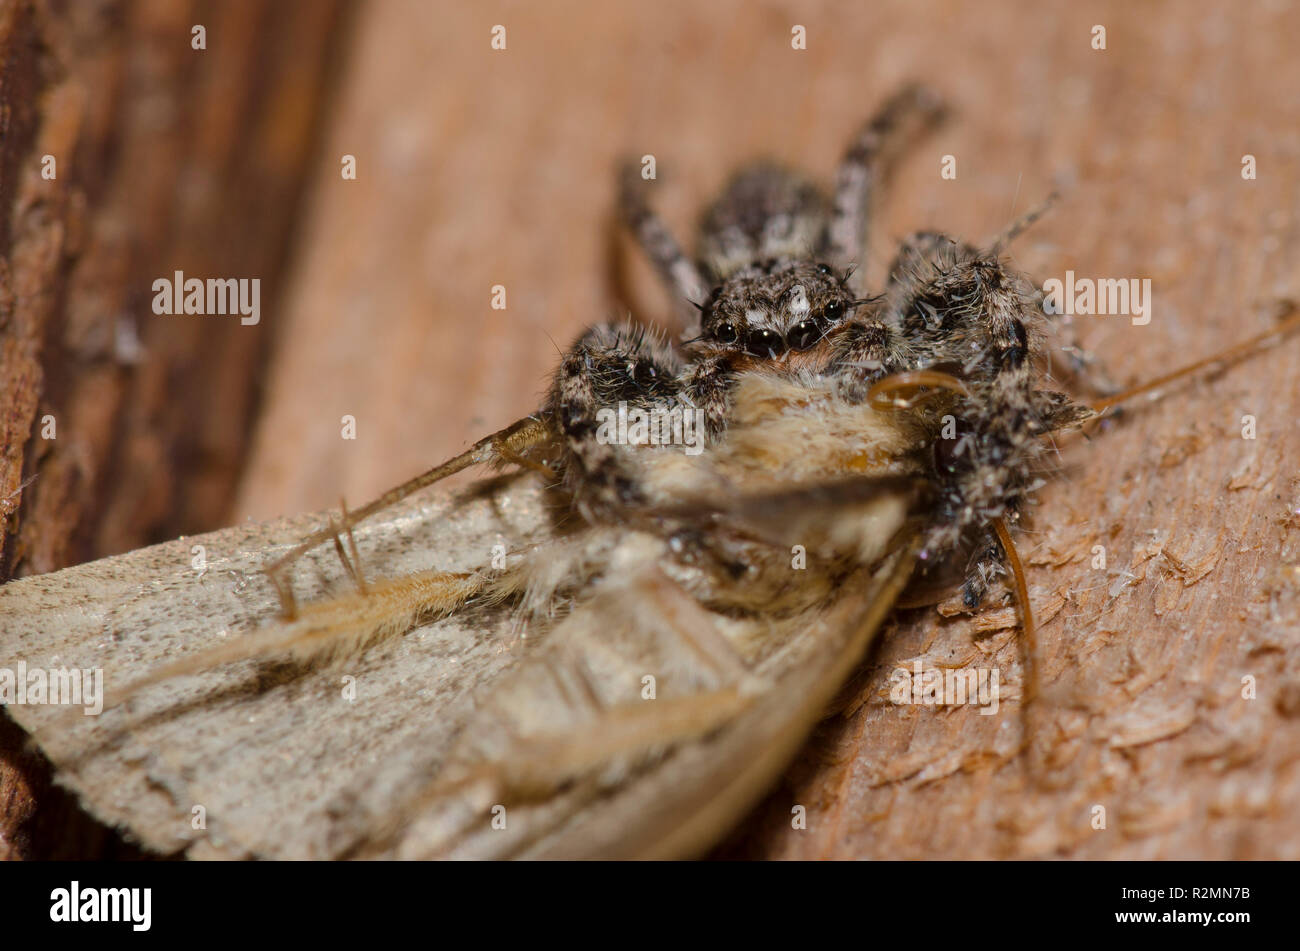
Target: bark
(127,154)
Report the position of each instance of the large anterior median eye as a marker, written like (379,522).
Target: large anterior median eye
(803,335)
(764,343)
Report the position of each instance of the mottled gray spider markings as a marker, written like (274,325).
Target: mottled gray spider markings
(771,244)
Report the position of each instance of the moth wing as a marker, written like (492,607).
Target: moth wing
(241,761)
(693,798)
(567,759)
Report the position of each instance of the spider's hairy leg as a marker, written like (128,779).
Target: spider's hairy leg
(908,113)
(1082,366)
(959,305)
(925,259)
(675,268)
(865,351)
(515,445)
(611,364)
(962,308)
(917,256)
(707,382)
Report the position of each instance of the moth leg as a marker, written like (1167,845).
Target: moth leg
(542,759)
(351,559)
(688,624)
(515,444)
(536,765)
(675,268)
(908,113)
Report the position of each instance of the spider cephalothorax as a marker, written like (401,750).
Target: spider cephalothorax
(776,306)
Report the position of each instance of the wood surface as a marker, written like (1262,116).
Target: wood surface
(479,167)
(166,157)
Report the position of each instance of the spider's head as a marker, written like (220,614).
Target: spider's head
(773,307)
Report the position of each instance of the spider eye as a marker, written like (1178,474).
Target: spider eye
(824,269)
(803,335)
(726,333)
(834,310)
(764,343)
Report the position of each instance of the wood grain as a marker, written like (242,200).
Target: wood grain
(481,167)
(119,427)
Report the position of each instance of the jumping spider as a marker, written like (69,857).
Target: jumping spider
(954,324)
(781,259)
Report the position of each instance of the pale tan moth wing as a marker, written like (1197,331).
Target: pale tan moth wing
(599,694)
(239,762)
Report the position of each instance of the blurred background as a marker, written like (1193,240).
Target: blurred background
(478,166)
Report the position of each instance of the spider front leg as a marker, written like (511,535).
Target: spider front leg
(611,370)
(911,111)
(675,268)
(866,350)
(962,306)
(706,384)
(964,311)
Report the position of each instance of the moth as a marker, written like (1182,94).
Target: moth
(613,646)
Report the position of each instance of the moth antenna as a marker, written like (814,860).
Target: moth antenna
(1029,632)
(1230,355)
(506,445)
(335,627)
(1022,224)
